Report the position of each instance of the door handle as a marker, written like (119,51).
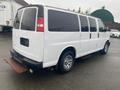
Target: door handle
(90,35)
(98,35)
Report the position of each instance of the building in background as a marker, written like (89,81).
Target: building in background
(107,17)
(8,9)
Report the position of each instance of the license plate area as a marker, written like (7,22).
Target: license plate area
(24,41)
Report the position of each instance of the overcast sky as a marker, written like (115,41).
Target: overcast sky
(112,5)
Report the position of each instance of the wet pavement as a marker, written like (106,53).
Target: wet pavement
(95,72)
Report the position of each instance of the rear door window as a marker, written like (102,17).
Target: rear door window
(93,25)
(29,19)
(17,19)
(62,21)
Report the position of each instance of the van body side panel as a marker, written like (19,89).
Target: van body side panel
(85,43)
(57,42)
(93,34)
(55,45)
(103,39)
(88,39)
(84,35)
(103,35)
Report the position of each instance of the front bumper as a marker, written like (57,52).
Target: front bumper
(28,63)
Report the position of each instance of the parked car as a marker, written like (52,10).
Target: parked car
(115,33)
(45,36)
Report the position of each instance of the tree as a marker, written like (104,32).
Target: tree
(79,10)
(103,7)
(88,11)
(73,10)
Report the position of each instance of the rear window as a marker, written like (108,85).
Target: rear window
(62,21)
(29,19)
(84,24)
(17,19)
(93,25)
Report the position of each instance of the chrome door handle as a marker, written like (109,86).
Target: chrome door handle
(98,35)
(90,35)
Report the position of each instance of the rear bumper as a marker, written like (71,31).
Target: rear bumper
(28,63)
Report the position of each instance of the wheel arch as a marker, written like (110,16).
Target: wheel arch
(70,48)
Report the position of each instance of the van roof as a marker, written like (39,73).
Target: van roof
(59,9)
(70,11)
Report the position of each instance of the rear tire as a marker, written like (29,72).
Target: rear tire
(105,49)
(66,62)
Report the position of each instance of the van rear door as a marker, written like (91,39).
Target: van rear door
(28,32)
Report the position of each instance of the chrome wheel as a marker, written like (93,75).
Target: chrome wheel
(68,62)
(105,49)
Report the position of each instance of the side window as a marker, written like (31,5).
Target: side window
(62,22)
(17,19)
(84,24)
(101,26)
(29,19)
(93,25)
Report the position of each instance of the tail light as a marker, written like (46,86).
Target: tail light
(40,24)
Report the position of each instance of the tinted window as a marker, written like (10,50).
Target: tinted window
(101,26)
(29,19)
(17,19)
(84,24)
(61,21)
(93,26)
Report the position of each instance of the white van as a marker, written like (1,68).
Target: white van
(45,36)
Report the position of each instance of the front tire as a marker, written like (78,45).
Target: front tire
(105,49)
(66,62)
